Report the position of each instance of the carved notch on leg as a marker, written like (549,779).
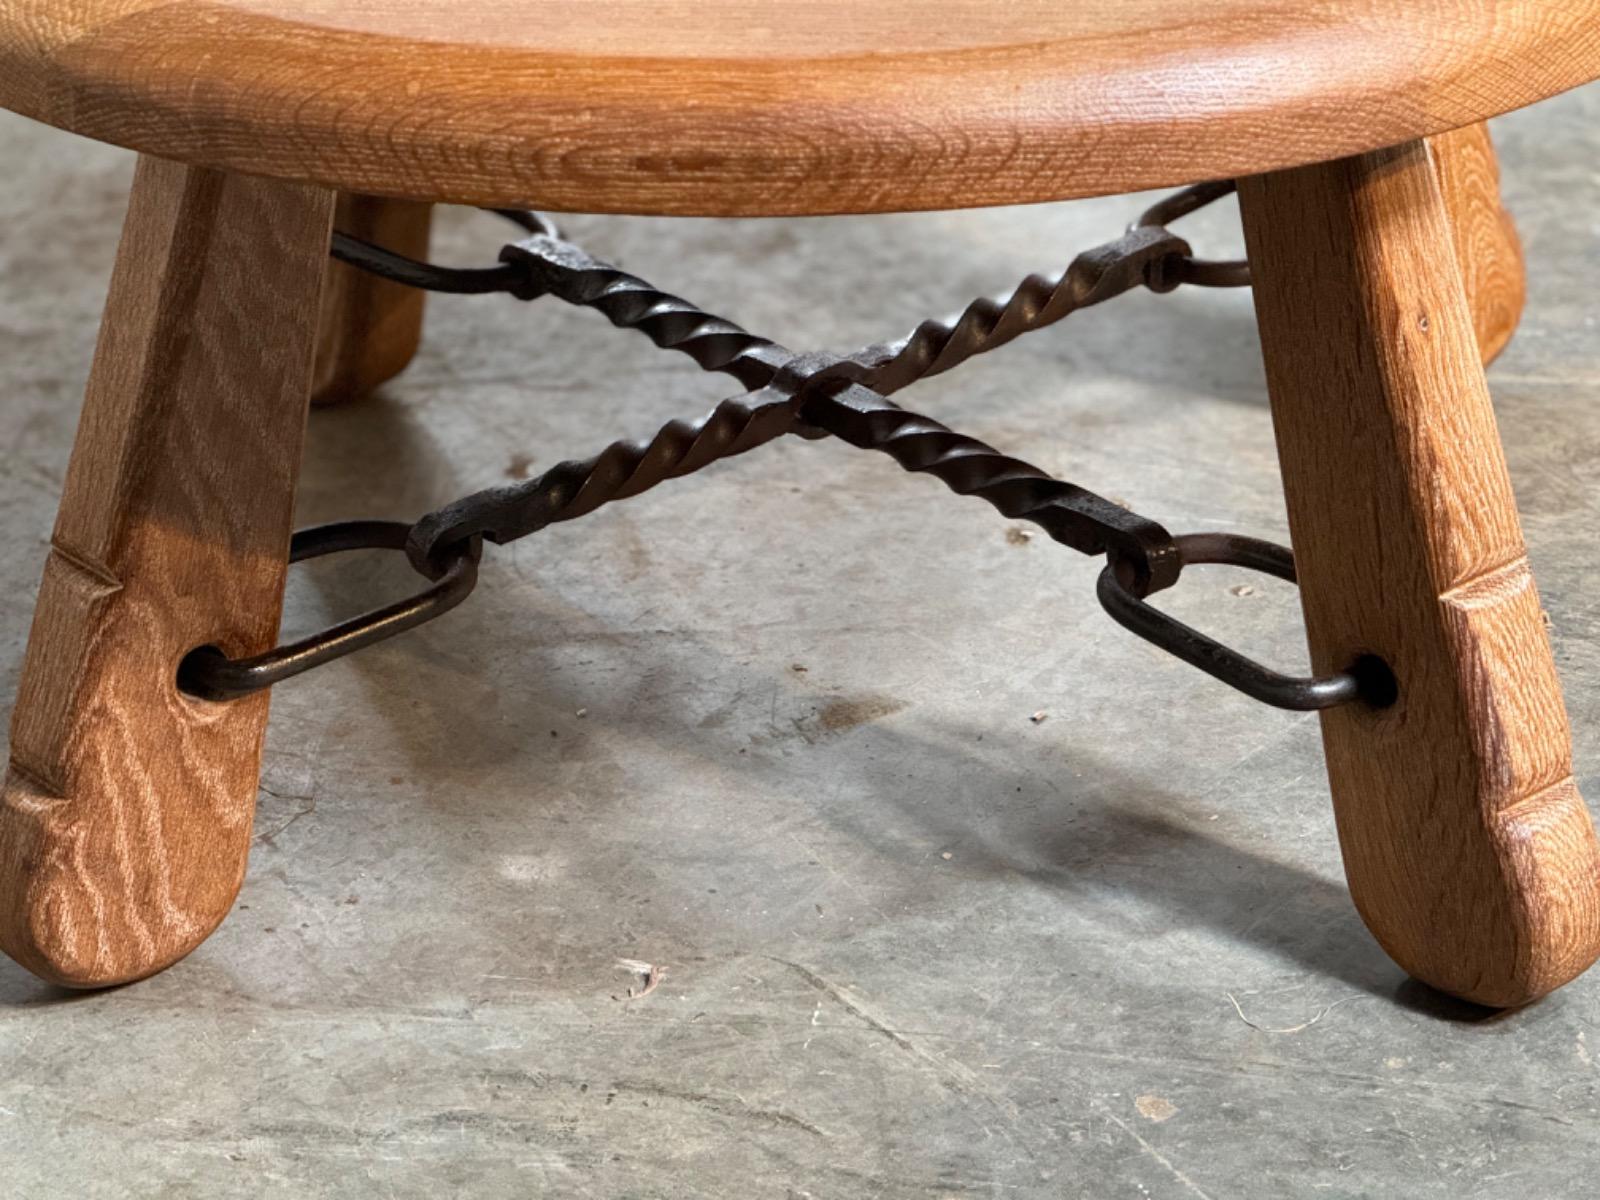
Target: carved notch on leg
(126,813)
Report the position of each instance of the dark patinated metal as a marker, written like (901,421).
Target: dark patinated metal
(1127,605)
(1186,269)
(549,266)
(456,281)
(812,395)
(622,469)
(1088,523)
(210,674)
(626,468)
(397,268)
(986,324)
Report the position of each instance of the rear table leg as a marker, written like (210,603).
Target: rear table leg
(1487,247)
(1469,852)
(126,812)
(370,328)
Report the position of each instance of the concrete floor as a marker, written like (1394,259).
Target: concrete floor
(769,728)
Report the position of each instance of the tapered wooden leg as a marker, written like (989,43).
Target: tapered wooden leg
(1469,852)
(126,812)
(370,328)
(1485,238)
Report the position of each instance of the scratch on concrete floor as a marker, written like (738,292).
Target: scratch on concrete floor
(1152,1151)
(310,803)
(956,1076)
(737,1108)
(842,879)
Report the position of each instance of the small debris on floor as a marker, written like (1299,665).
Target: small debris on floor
(651,972)
(518,466)
(1040,717)
(1155,1108)
(1019,537)
(799,668)
(947,856)
(582,712)
(1300,1028)
(1242,589)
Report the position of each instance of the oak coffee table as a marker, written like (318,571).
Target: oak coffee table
(1384,271)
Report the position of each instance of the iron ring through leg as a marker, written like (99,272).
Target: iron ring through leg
(1369,679)
(210,674)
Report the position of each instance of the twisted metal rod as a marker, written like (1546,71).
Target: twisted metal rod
(551,266)
(1069,514)
(987,323)
(458,281)
(623,469)
(558,268)
(547,264)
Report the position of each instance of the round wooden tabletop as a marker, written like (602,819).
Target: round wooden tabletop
(760,107)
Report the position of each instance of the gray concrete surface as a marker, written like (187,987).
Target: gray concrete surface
(769,728)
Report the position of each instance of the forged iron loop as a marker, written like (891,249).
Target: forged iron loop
(1369,679)
(397,268)
(1185,268)
(210,674)
(459,281)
